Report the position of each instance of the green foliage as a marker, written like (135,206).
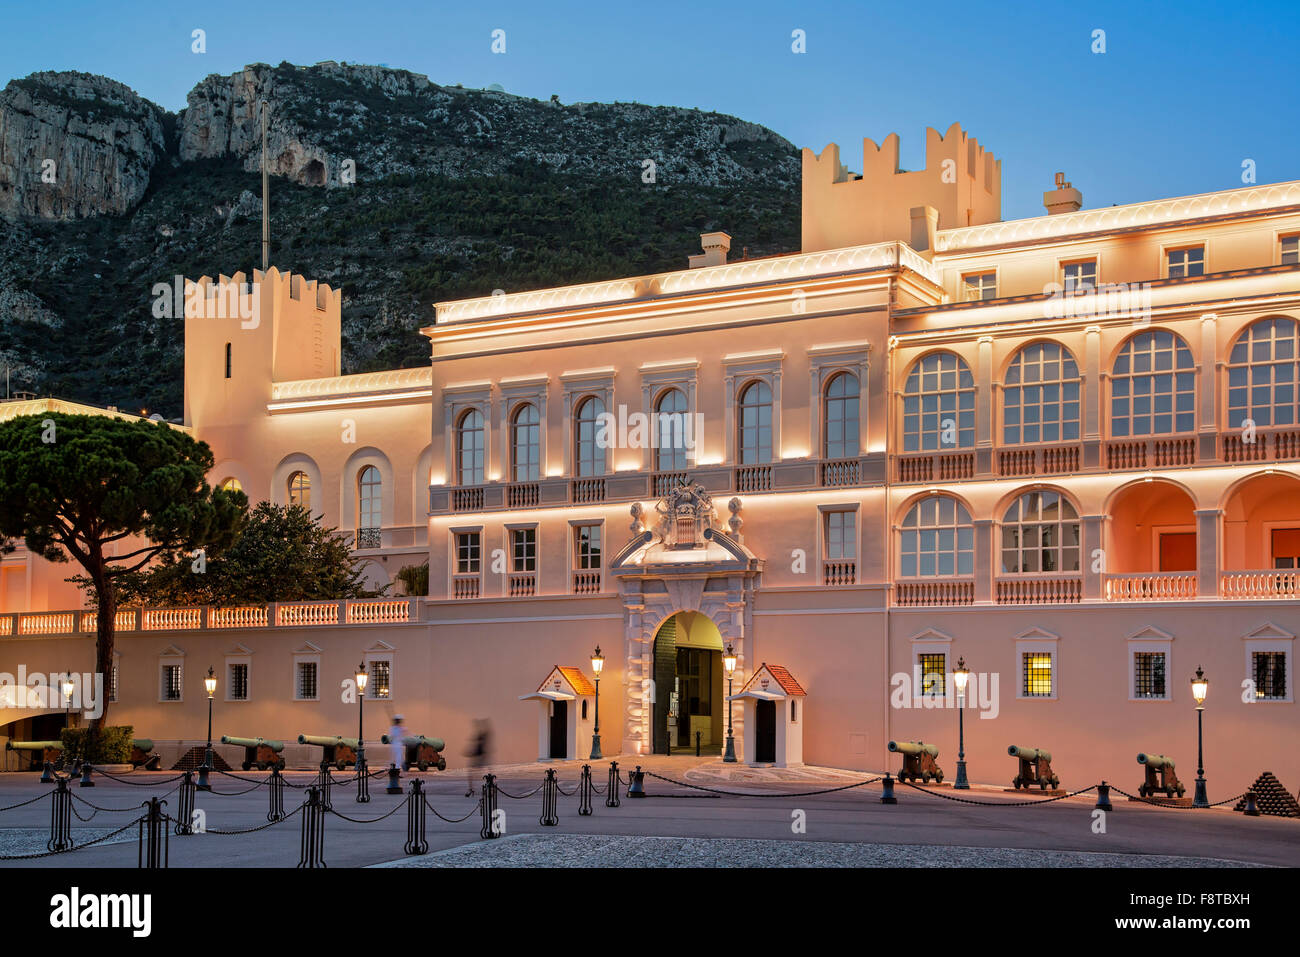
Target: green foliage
(111,746)
(282,554)
(415,578)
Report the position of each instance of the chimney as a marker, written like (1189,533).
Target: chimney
(925,220)
(716,246)
(1064,199)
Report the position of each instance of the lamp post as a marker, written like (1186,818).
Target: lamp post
(597,665)
(1200,687)
(729,666)
(363,791)
(960,675)
(69,687)
(210,684)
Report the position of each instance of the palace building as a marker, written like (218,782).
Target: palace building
(1064,449)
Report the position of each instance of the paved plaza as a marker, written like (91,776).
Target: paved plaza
(766,821)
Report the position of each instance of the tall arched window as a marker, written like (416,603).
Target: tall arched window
(1040,398)
(670,432)
(939,404)
(232,484)
(1040,533)
(1153,386)
(841,417)
(300,489)
(1262,375)
(470,446)
(937,539)
(754,424)
(370,501)
(526,443)
(589,457)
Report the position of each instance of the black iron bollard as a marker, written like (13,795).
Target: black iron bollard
(394,780)
(887,794)
(584,792)
(275,790)
(313,831)
(550,800)
(363,781)
(611,790)
(85,776)
(488,804)
(323,782)
(152,843)
(415,820)
(1103,797)
(636,783)
(47,775)
(1250,810)
(60,818)
(185,815)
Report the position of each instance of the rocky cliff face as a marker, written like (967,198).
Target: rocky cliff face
(74,145)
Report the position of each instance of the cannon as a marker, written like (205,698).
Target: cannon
(39,752)
(421,751)
(1035,768)
(919,761)
(258,752)
(335,750)
(140,756)
(1159,766)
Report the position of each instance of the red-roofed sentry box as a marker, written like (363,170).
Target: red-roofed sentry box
(774,716)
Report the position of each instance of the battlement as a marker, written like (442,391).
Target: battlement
(961,182)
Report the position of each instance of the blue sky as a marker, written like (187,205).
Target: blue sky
(1183,94)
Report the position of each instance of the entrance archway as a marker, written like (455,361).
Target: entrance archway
(688,683)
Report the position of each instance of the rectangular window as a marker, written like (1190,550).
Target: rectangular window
(1149,674)
(1080,276)
(979,285)
(523,549)
(171,682)
(238,682)
(841,536)
(112,683)
(467,553)
(586,547)
(1189,261)
(306,688)
(1286,547)
(381,676)
(934,675)
(1037,674)
(1270,674)
(1291,250)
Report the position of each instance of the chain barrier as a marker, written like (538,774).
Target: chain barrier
(368,820)
(12,807)
(77,847)
(519,797)
(1156,802)
(256,827)
(792,794)
(460,820)
(138,784)
(961,800)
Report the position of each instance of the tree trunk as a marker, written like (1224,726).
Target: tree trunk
(105,625)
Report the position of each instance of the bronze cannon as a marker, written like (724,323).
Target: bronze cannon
(1035,768)
(335,750)
(141,756)
(422,752)
(258,752)
(919,761)
(39,751)
(1160,776)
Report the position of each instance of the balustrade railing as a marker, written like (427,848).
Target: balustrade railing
(586,583)
(1263,583)
(522,584)
(465,586)
(1039,591)
(585,490)
(940,591)
(1150,586)
(754,478)
(523,495)
(839,472)
(467,499)
(839,572)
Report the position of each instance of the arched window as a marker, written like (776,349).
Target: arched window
(937,539)
(1040,398)
(754,424)
(589,457)
(232,484)
(370,500)
(1153,386)
(1262,375)
(470,445)
(670,432)
(300,489)
(526,443)
(939,404)
(841,417)
(1040,533)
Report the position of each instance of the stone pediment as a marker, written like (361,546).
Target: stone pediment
(683,531)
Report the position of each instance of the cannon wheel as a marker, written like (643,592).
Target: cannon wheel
(341,765)
(925,777)
(1142,790)
(423,765)
(938,778)
(1043,785)
(1015,782)
(245,766)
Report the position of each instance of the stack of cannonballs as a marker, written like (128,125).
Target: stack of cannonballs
(1271,797)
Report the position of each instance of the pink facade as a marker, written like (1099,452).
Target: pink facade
(1065,449)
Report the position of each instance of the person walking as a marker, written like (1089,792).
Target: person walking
(480,748)
(396,734)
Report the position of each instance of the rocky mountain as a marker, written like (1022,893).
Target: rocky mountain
(393,188)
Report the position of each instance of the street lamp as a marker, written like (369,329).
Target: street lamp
(210,684)
(1200,688)
(961,675)
(68,687)
(363,790)
(729,666)
(597,665)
